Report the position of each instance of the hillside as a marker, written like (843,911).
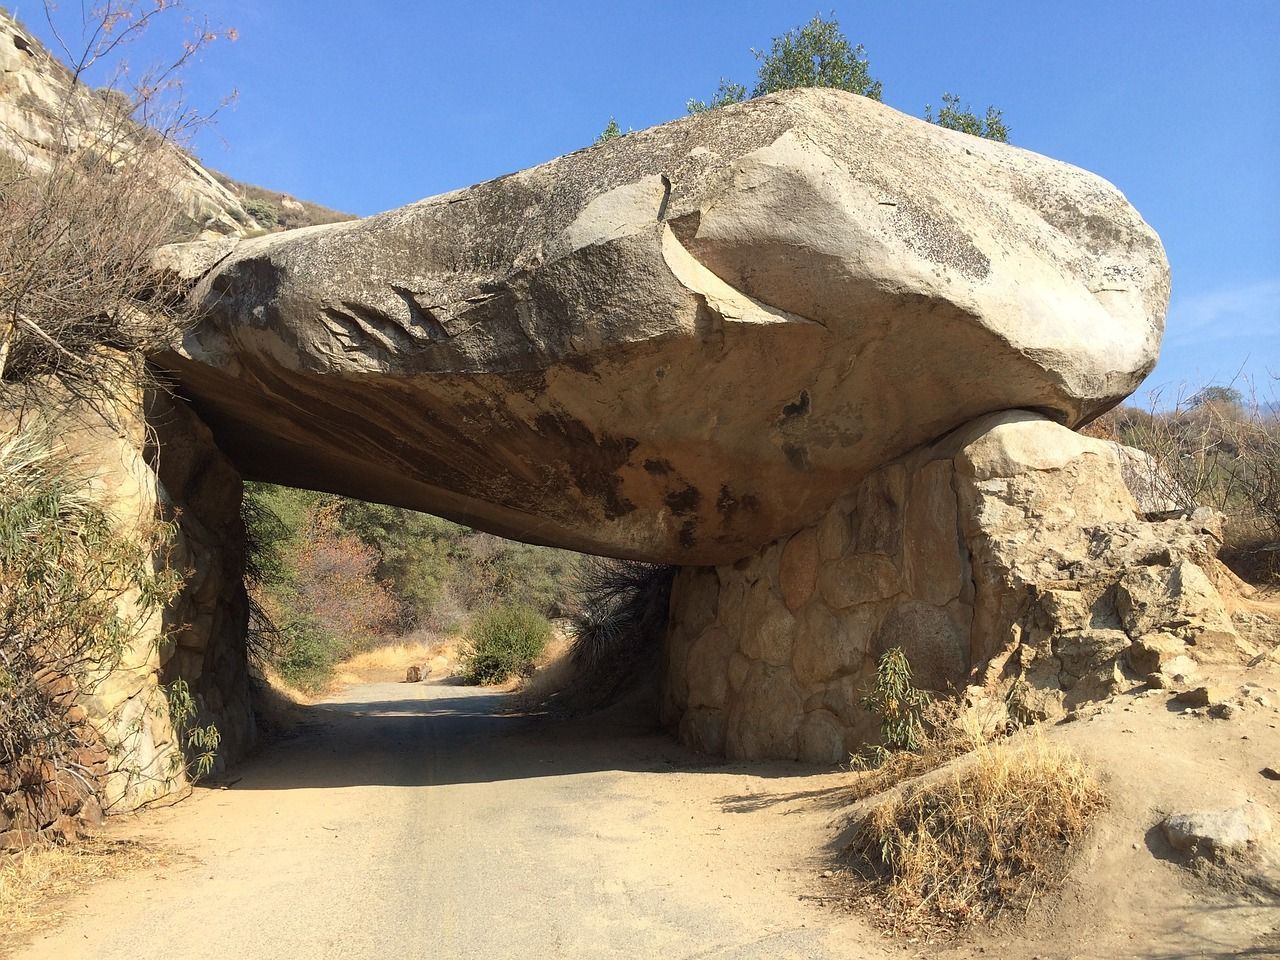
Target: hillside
(43,106)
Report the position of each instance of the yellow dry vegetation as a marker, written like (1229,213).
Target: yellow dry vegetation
(33,883)
(980,840)
(437,656)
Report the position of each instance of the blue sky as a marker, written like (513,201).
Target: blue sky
(367,105)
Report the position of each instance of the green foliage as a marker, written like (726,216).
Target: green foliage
(1017,704)
(415,553)
(728,92)
(440,570)
(305,653)
(815,55)
(504,641)
(75,593)
(899,705)
(264,211)
(318,564)
(314,591)
(818,54)
(611,132)
(199,743)
(953,117)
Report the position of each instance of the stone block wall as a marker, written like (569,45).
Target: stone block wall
(1010,549)
(207,622)
(152,459)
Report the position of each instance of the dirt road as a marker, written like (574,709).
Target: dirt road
(419,821)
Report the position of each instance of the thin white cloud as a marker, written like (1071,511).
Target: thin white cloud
(1249,310)
(1230,335)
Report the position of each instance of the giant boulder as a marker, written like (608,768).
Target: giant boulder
(684,343)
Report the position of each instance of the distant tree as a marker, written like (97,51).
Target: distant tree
(951,116)
(610,132)
(727,92)
(815,55)
(1218,396)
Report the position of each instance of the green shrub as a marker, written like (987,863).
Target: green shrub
(503,642)
(264,211)
(305,653)
(611,132)
(900,706)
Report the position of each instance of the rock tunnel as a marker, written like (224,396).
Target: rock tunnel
(819,354)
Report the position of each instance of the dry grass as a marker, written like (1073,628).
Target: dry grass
(436,655)
(950,730)
(33,883)
(982,841)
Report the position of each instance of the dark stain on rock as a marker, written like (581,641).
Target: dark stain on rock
(580,362)
(659,468)
(728,505)
(797,408)
(684,501)
(685,227)
(687,538)
(797,456)
(595,460)
(937,238)
(530,384)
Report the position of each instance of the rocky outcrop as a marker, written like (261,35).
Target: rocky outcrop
(730,342)
(43,110)
(154,462)
(683,343)
(1008,553)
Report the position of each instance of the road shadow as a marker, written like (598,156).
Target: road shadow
(449,737)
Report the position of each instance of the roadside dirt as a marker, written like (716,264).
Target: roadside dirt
(428,820)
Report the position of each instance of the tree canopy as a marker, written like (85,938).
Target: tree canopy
(1219,395)
(815,55)
(727,92)
(818,54)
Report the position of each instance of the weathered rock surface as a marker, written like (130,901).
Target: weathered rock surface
(684,343)
(1008,555)
(199,638)
(1217,834)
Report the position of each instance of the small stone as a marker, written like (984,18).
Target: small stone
(1197,696)
(1223,711)
(91,812)
(1216,833)
(1271,773)
(828,873)
(1157,681)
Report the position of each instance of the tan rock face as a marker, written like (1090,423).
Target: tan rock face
(685,343)
(1008,552)
(40,108)
(200,637)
